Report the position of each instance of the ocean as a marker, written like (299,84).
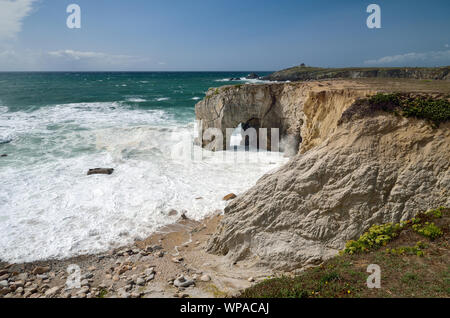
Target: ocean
(56,126)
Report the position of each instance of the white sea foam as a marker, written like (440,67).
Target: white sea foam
(160,99)
(50,208)
(136,100)
(196,98)
(248,80)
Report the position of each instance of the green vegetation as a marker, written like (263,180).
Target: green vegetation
(411,265)
(429,230)
(434,110)
(102,293)
(377,236)
(408,250)
(302,73)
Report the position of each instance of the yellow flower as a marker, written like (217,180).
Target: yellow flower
(348,291)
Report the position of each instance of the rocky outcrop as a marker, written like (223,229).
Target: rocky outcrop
(345,177)
(302,73)
(280,106)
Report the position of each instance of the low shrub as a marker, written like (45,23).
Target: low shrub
(377,236)
(428,229)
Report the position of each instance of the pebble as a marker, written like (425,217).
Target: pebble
(183,282)
(52,291)
(251,279)
(150,277)
(84,290)
(128,287)
(21,276)
(40,270)
(149,271)
(87,276)
(4,277)
(177,259)
(205,278)
(4,283)
(140,281)
(136,295)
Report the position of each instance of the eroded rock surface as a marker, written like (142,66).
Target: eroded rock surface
(345,178)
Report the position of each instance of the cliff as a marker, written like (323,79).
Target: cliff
(346,175)
(302,73)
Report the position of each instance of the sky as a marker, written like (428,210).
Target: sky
(221,35)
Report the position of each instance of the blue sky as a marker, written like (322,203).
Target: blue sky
(170,35)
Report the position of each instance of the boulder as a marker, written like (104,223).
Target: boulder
(252,76)
(229,197)
(39,270)
(100,171)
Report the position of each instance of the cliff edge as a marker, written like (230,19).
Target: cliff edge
(346,175)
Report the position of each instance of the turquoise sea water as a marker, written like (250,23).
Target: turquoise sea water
(55,126)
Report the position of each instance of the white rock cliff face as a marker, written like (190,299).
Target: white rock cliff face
(344,179)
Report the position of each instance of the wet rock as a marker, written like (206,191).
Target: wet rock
(4,155)
(173,212)
(100,171)
(252,76)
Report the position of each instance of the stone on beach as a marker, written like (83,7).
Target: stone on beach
(229,197)
(41,270)
(100,171)
(52,291)
(205,278)
(183,282)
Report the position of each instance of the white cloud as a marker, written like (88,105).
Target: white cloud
(12,13)
(433,57)
(63,60)
(72,55)
(447,45)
